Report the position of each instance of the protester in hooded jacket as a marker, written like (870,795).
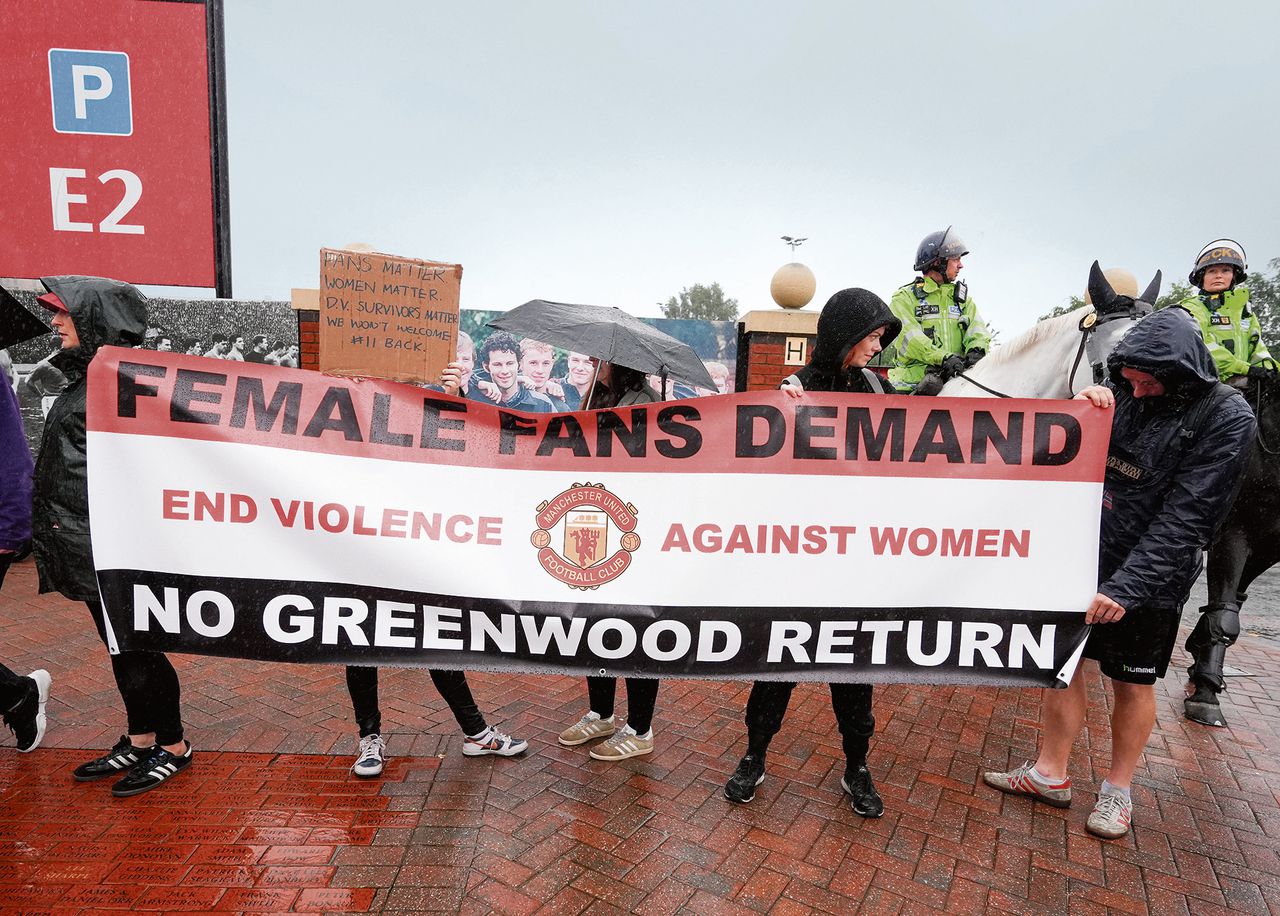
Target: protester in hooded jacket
(89,313)
(22,698)
(854,325)
(1179,444)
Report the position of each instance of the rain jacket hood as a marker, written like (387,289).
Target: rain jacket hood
(1169,346)
(848,316)
(105,312)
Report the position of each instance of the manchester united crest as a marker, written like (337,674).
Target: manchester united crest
(595,530)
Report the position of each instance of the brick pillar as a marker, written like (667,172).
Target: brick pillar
(772,345)
(306,305)
(309,338)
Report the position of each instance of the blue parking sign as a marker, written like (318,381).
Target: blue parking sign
(90,92)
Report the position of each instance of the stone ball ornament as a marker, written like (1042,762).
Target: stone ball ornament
(793,286)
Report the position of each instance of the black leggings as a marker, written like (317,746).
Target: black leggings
(149,687)
(362,684)
(642,697)
(851,703)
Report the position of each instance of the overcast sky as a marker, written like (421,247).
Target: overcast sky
(613,153)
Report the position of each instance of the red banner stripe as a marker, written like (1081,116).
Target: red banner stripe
(147,393)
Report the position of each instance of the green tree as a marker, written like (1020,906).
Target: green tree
(1264,299)
(708,303)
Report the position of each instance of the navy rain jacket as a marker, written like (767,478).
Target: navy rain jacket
(1166,491)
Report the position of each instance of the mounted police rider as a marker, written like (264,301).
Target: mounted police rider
(1230,328)
(942,332)
(1234,337)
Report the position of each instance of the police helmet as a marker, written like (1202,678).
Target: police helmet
(1219,251)
(939,246)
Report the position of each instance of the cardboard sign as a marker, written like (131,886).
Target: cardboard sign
(382,316)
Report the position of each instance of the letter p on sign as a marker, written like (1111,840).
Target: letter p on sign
(90,92)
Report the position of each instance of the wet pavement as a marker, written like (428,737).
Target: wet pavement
(269,817)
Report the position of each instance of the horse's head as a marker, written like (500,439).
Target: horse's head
(1114,313)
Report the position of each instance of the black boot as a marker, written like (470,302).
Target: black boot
(1202,706)
(865,799)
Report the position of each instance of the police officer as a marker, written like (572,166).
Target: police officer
(1230,328)
(1234,338)
(942,332)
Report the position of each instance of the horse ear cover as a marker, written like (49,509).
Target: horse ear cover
(1100,290)
(1152,292)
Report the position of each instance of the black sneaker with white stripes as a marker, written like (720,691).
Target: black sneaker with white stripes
(114,762)
(152,770)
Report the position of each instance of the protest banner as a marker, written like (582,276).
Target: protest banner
(252,511)
(383,316)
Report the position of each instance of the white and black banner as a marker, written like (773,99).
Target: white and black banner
(251,511)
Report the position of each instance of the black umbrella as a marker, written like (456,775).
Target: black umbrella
(609,334)
(16,323)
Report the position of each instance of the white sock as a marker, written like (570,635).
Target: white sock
(647,736)
(1109,789)
(1043,779)
(481,735)
(597,715)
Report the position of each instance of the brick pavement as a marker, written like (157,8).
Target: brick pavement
(269,819)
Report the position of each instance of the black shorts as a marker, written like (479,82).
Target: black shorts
(1137,648)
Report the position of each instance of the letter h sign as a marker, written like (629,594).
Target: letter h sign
(90,92)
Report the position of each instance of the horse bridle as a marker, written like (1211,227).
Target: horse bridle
(1089,344)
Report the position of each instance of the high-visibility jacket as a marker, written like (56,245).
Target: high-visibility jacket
(1231,331)
(938,320)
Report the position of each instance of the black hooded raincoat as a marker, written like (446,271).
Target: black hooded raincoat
(106,313)
(1167,487)
(848,316)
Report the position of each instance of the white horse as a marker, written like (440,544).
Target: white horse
(1059,356)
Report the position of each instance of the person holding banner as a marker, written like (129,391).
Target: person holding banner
(620,386)
(22,699)
(479,738)
(854,326)
(1179,443)
(617,386)
(88,313)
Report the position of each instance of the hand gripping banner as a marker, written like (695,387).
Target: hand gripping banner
(245,510)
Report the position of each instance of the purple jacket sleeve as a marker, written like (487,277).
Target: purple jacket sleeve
(15,473)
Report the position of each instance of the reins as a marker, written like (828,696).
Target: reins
(999,394)
(1087,324)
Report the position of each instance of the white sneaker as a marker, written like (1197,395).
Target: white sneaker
(492,741)
(588,728)
(372,756)
(1111,816)
(27,719)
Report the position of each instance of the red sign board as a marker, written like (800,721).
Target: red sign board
(107,168)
